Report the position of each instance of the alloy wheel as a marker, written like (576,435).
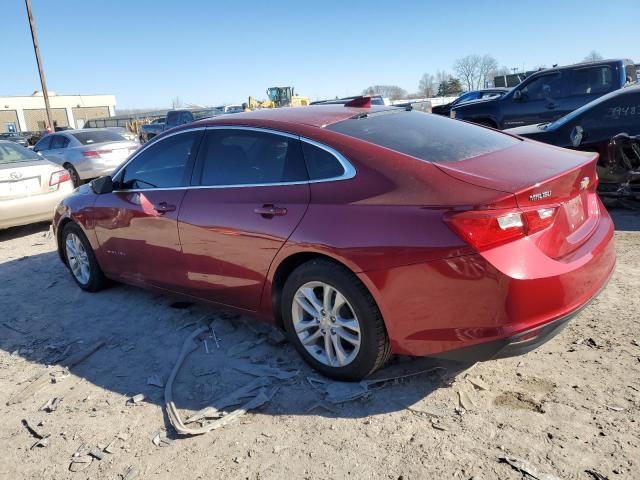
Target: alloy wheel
(78,258)
(326,324)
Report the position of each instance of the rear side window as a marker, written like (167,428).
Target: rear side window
(588,81)
(630,73)
(97,136)
(321,164)
(425,136)
(163,164)
(245,157)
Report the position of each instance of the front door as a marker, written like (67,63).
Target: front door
(540,101)
(252,191)
(136,224)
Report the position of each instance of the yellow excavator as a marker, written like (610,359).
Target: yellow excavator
(279,97)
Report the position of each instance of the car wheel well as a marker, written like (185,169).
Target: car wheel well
(286,267)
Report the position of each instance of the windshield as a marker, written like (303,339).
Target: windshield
(98,136)
(14,153)
(428,137)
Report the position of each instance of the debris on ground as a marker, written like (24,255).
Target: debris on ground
(51,405)
(465,401)
(596,475)
(130,474)
(525,467)
(160,439)
(242,347)
(478,383)
(266,371)
(340,392)
(80,462)
(136,399)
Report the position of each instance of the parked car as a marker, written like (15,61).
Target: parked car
(359,230)
(468,97)
(16,137)
(176,118)
(597,127)
(549,94)
(125,133)
(87,153)
(30,186)
(148,131)
(375,100)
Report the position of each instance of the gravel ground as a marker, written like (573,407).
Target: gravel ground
(568,408)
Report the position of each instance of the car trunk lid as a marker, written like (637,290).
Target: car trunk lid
(540,178)
(26,178)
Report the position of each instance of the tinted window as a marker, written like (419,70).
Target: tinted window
(428,137)
(630,73)
(587,81)
(13,153)
(246,157)
(97,136)
(59,141)
(320,163)
(544,87)
(163,164)
(43,144)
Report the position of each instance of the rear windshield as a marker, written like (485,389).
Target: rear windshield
(98,136)
(425,136)
(14,153)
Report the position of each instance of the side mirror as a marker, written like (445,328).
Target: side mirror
(517,95)
(576,136)
(102,185)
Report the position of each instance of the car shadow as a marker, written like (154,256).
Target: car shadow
(23,231)
(50,322)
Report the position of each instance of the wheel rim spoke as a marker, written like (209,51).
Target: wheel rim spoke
(326,324)
(78,258)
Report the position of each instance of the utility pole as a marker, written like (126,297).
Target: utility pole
(36,49)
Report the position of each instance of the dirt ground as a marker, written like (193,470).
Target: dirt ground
(570,408)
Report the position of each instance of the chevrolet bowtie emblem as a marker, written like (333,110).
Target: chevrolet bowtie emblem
(584,183)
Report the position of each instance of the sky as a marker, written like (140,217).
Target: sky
(212,52)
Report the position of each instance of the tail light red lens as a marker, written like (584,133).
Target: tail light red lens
(484,229)
(59,177)
(94,153)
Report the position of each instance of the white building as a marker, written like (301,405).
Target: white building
(22,114)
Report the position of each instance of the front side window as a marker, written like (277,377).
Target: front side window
(164,164)
(43,144)
(246,157)
(544,87)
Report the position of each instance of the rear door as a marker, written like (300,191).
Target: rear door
(136,224)
(587,84)
(250,192)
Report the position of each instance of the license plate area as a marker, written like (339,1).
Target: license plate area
(27,185)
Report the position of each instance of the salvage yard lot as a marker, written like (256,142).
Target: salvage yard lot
(570,407)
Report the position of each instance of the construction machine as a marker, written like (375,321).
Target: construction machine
(279,97)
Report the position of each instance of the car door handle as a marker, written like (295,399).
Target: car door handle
(164,207)
(270,211)
(551,106)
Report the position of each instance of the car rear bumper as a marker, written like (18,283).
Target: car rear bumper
(451,305)
(32,209)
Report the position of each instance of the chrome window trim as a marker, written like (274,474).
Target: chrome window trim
(349,170)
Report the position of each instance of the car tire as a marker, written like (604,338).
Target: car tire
(75,178)
(81,260)
(333,332)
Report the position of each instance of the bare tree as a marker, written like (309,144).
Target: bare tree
(393,92)
(593,56)
(468,70)
(427,85)
(488,64)
(176,102)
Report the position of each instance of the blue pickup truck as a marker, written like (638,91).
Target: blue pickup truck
(549,94)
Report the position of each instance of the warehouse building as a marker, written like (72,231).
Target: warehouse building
(28,114)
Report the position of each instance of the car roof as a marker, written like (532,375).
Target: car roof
(313,115)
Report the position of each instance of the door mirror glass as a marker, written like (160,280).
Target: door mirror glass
(577,133)
(102,185)
(517,95)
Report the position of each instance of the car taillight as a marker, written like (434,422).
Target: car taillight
(59,177)
(484,229)
(94,153)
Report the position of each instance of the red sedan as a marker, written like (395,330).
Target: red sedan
(362,231)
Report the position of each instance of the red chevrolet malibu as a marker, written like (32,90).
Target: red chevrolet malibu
(362,231)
